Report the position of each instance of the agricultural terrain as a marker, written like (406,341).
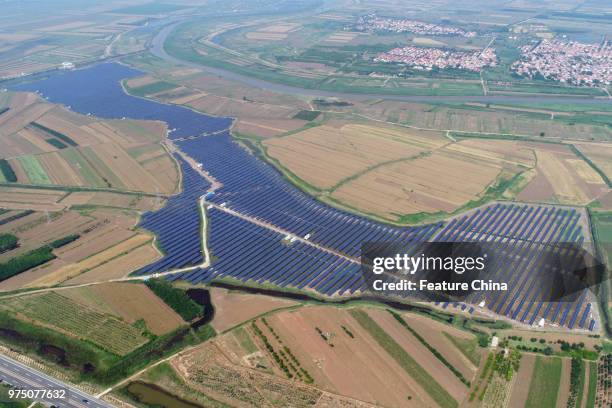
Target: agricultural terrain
(308,355)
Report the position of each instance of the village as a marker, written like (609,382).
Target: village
(567,62)
(372,22)
(426,59)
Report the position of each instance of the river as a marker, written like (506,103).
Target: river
(157,49)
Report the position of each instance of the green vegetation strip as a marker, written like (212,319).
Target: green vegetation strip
(56,143)
(590,402)
(22,263)
(307,115)
(152,88)
(176,298)
(576,383)
(29,260)
(467,347)
(433,351)
(34,170)
(14,217)
(58,243)
(55,133)
(426,381)
(7,171)
(8,242)
(545,383)
(599,171)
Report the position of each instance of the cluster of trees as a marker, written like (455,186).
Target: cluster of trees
(576,375)
(55,133)
(25,261)
(8,242)
(546,350)
(285,357)
(176,298)
(269,347)
(348,332)
(566,346)
(507,365)
(29,260)
(7,171)
(58,243)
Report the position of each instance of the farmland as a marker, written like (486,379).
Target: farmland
(412,172)
(240,174)
(44,144)
(105,246)
(63,314)
(544,388)
(338,361)
(234,242)
(324,353)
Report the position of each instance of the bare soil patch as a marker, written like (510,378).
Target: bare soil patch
(232,309)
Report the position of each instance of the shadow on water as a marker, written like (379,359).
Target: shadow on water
(306,298)
(202,298)
(153,395)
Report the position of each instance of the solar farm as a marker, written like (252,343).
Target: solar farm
(319,246)
(262,230)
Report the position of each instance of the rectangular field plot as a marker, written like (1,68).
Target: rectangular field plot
(85,323)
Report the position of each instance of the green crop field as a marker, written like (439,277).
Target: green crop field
(77,161)
(467,347)
(36,174)
(592,390)
(105,330)
(429,384)
(245,340)
(545,383)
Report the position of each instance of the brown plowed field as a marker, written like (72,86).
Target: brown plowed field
(118,200)
(357,367)
(520,389)
(565,383)
(562,177)
(136,301)
(70,271)
(421,355)
(432,331)
(232,308)
(267,127)
(119,267)
(600,154)
(107,247)
(99,158)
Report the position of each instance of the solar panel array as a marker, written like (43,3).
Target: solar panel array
(177,226)
(524,228)
(97,90)
(249,252)
(256,189)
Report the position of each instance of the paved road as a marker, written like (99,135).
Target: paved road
(24,377)
(157,49)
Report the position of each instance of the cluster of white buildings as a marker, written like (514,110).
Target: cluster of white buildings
(373,23)
(427,59)
(567,62)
